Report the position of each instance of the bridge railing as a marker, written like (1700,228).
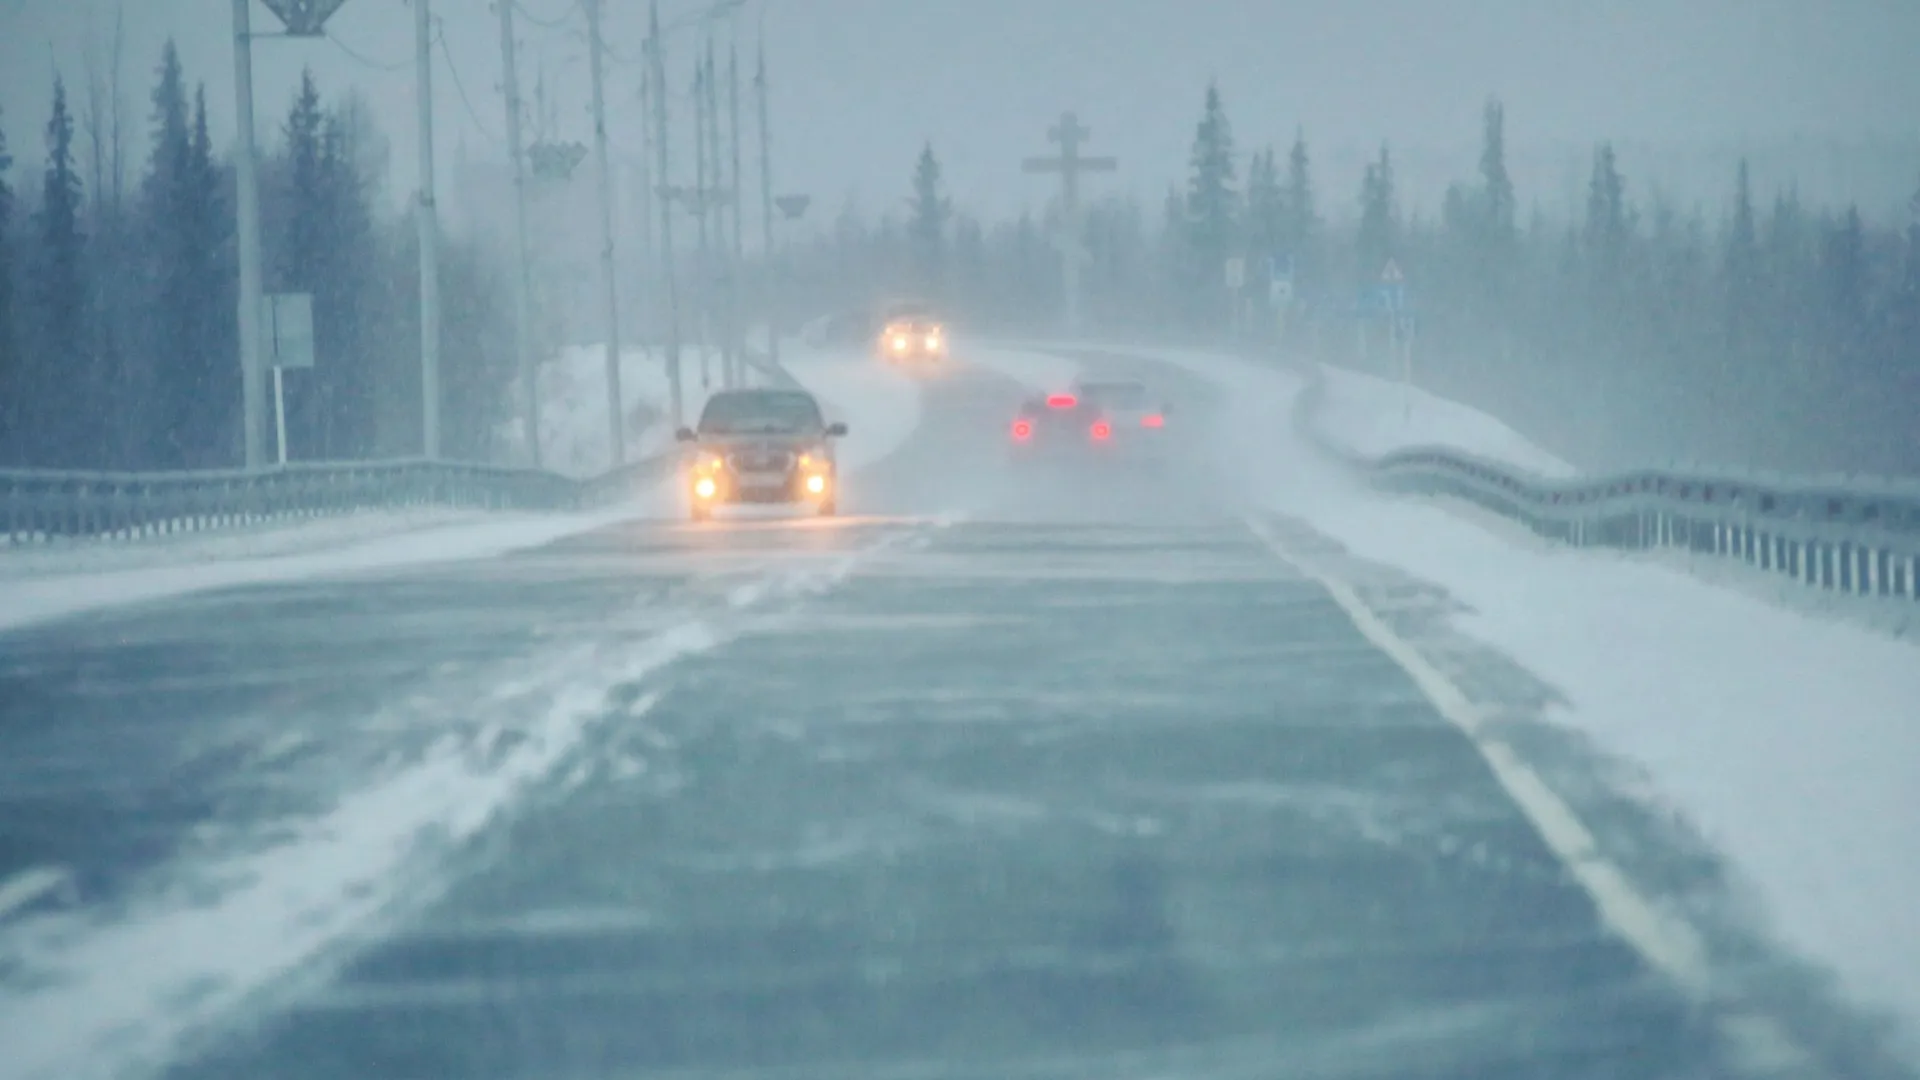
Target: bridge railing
(1858,536)
(40,505)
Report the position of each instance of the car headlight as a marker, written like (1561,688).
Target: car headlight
(817,484)
(705,487)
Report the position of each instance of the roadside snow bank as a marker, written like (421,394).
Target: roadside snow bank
(1373,416)
(573,407)
(1786,741)
(29,600)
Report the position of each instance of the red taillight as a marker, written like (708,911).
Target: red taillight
(1153,420)
(1062,401)
(1022,429)
(1101,429)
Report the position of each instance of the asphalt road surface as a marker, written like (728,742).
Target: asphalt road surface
(1007,773)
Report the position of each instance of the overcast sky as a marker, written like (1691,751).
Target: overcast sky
(860,84)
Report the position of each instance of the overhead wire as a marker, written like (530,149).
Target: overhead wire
(556,23)
(440,38)
(364,59)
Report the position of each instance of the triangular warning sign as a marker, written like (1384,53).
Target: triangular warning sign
(1392,275)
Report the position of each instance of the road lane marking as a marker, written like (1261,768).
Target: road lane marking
(1670,945)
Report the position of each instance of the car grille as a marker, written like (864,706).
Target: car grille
(760,460)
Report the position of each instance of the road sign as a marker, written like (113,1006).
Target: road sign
(1236,273)
(1391,275)
(793,206)
(287,326)
(304,18)
(1279,267)
(1280,290)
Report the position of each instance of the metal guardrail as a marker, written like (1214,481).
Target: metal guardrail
(43,505)
(1845,535)
(47,505)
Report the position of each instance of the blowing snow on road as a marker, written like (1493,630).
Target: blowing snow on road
(1093,768)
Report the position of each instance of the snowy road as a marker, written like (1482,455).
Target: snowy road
(1001,775)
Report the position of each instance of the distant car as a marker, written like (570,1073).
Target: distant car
(762,446)
(911,332)
(1117,418)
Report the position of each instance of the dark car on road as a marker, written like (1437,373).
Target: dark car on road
(765,446)
(1113,419)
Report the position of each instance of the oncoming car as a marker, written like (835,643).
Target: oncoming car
(1102,419)
(762,446)
(911,333)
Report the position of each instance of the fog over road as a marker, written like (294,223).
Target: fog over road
(1005,773)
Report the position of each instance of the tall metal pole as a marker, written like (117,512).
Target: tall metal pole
(429,241)
(768,286)
(721,250)
(247,206)
(616,433)
(523,280)
(666,215)
(736,286)
(703,267)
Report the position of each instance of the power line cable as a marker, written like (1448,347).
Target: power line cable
(364,59)
(440,38)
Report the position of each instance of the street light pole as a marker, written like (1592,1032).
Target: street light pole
(768,286)
(427,214)
(616,434)
(523,283)
(247,206)
(659,73)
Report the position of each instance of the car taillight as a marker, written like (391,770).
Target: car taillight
(1101,429)
(1153,420)
(1062,401)
(1022,429)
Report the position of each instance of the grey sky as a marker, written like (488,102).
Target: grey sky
(859,84)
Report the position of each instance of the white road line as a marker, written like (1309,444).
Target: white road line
(1672,946)
(30,885)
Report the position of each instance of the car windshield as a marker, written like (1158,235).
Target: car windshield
(760,412)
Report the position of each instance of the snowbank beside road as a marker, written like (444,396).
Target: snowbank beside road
(1786,741)
(1373,416)
(32,599)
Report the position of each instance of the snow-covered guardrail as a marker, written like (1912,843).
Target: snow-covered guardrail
(44,504)
(1848,535)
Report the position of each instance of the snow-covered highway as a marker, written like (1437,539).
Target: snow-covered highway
(1187,773)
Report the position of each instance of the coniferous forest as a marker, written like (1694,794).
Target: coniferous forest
(1762,332)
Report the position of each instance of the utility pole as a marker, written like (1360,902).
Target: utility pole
(729,363)
(247,206)
(427,216)
(523,280)
(735,289)
(616,434)
(1069,134)
(703,265)
(769,285)
(666,213)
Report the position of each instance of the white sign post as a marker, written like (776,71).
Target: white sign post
(287,327)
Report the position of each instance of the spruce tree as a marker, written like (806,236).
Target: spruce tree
(1266,207)
(927,225)
(1212,202)
(1496,190)
(1607,224)
(161,402)
(209,382)
(68,397)
(1377,240)
(12,385)
(1741,266)
(1302,221)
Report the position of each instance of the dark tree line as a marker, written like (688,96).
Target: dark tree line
(1765,333)
(118,331)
